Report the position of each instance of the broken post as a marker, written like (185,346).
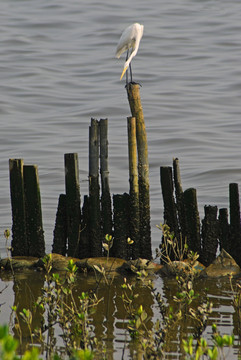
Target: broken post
(72,189)
(19,240)
(224,230)
(235,230)
(192,220)
(84,251)
(210,234)
(33,212)
(143,169)
(120,247)
(60,229)
(170,211)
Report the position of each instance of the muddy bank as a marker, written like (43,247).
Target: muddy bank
(223,265)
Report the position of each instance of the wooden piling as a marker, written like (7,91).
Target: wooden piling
(120,247)
(235,231)
(19,240)
(96,236)
(143,169)
(60,229)
(179,197)
(85,246)
(33,211)
(72,189)
(210,232)
(192,220)
(106,212)
(224,230)
(170,211)
(134,221)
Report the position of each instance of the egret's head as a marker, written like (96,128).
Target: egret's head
(123,72)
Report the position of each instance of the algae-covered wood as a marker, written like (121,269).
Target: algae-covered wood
(72,188)
(134,220)
(33,211)
(134,99)
(19,239)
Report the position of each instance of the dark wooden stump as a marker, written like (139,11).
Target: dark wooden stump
(210,232)
(192,220)
(60,230)
(121,227)
(33,211)
(72,189)
(19,239)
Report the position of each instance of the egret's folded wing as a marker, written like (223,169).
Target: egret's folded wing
(126,40)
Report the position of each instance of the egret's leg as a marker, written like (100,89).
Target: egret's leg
(130,72)
(127,54)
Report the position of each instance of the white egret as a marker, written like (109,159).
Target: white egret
(130,39)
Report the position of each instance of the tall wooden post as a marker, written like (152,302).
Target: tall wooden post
(134,188)
(143,169)
(94,190)
(106,213)
(179,198)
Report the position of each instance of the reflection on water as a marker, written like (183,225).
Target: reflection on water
(110,320)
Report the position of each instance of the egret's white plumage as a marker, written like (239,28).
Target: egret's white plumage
(130,39)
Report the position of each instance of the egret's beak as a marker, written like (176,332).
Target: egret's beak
(123,72)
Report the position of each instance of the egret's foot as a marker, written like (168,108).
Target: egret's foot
(135,83)
(132,83)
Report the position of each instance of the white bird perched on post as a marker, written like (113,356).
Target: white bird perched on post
(130,38)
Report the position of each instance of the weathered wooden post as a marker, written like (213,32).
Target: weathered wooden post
(60,230)
(94,190)
(170,211)
(121,230)
(179,197)
(210,232)
(106,213)
(33,211)
(19,239)
(85,250)
(143,169)
(72,189)
(192,220)
(235,230)
(134,188)
(224,230)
